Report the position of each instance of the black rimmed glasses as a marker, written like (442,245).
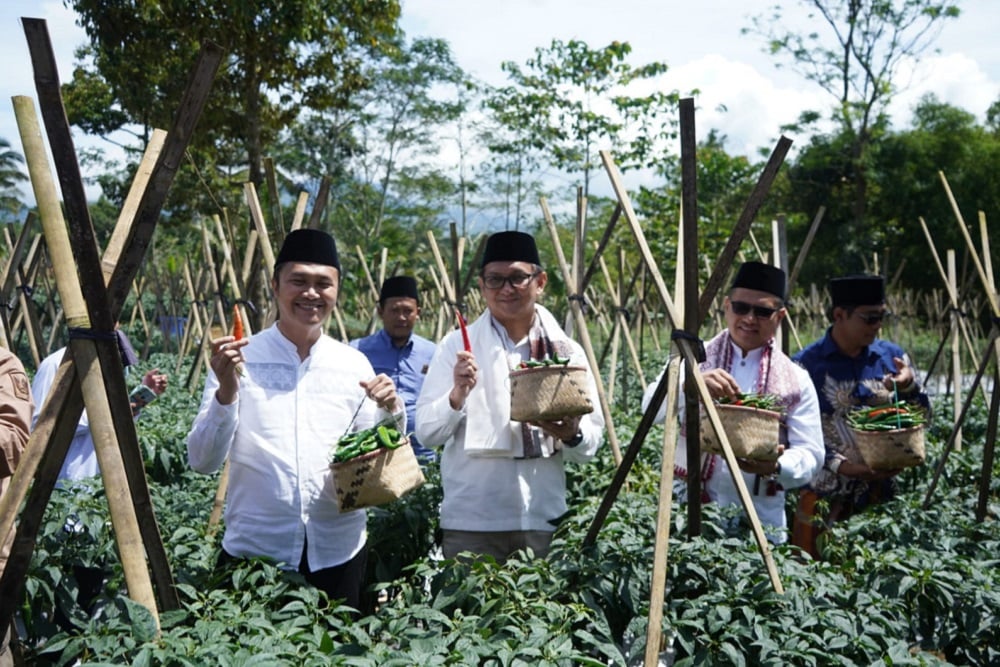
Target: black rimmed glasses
(517,281)
(873,318)
(743,308)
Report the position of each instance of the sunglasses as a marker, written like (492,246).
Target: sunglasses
(744,308)
(873,318)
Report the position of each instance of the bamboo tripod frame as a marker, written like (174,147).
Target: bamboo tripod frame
(99,370)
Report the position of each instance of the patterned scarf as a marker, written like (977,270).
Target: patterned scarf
(776,376)
(537,443)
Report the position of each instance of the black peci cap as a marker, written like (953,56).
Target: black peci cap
(761,277)
(312,246)
(511,247)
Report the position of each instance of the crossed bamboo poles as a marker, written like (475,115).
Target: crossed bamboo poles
(90,373)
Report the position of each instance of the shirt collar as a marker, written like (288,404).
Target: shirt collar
(387,340)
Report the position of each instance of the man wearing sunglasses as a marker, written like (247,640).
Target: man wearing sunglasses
(851,367)
(743,359)
(503,480)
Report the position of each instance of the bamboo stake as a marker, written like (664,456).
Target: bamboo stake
(689,358)
(989,445)
(956,352)
(800,259)
(10,272)
(449,291)
(989,287)
(984,237)
(116,244)
(273,195)
(300,210)
(953,298)
(620,316)
(661,544)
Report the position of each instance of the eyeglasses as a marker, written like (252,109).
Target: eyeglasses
(873,318)
(517,281)
(744,308)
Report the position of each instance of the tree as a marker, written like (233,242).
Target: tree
(11,177)
(856,58)
(571,100)
(383,152)
(283,56)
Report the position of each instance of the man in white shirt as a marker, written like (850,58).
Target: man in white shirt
(275,404)
(504,484)
(743,359)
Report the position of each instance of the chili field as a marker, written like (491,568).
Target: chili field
(900,585)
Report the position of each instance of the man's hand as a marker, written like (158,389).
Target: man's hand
(903,378)
(720,383)
(156,381)
(561,429)
(226,357)
(382,390)
(754,467)
(464,377)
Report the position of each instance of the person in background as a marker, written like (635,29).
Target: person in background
(277,422)
(15,419)
(398,352)
(851,366)
(504,482)
(81,458)
(745,359)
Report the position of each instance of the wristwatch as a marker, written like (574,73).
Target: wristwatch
(575,440)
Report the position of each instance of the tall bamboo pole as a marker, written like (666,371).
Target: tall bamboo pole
(661,544)
(956,352)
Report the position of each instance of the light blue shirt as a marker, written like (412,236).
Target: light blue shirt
(407,367)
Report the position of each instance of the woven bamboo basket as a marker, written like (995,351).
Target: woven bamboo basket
(376,478)
(891,450)
(549,392)
(752,432)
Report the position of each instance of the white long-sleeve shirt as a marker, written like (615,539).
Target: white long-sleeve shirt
(278,435)
(496,493)
(801,460)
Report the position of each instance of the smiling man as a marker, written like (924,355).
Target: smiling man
(742,359)
(277,422)
(851,367)
(504,484)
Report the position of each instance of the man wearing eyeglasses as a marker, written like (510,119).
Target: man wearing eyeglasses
(745,359)
(504,483)
(851,367)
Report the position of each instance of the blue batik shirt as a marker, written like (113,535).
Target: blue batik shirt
(844,383)
(407,366)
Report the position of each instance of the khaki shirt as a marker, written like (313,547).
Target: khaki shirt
(16,408)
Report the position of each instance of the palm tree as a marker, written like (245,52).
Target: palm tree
(11,176)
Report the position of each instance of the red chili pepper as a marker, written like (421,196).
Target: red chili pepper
(237,323)
(465,331)
(238,335)
(886,411)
